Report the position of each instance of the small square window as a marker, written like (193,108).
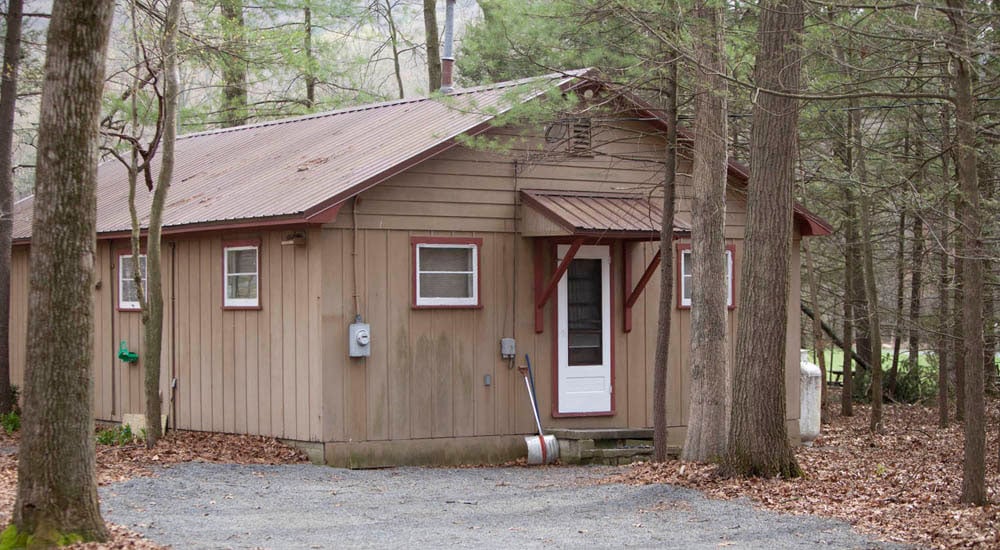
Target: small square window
(446,273)
(128,294)
(685,279)
(242,276)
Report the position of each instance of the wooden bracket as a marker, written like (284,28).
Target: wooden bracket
(632,297)
(542,296)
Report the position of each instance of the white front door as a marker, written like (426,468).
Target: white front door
(584,331)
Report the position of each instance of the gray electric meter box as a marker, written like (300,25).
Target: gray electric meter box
(359,340)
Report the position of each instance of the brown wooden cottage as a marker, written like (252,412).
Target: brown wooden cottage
(279,235)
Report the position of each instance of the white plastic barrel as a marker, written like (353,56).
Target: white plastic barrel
(810,395)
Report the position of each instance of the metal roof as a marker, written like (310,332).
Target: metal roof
(621,215)
(295,170)
(300,170)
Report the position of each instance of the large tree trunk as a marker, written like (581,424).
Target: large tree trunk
(974,465)
(234,66)
(758,443)
(57,486)
(153,328)
(666,309)
(8,101)
(433,46)
(708,414)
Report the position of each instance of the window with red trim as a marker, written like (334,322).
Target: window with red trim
(446,272)
(128,293)
(685,278)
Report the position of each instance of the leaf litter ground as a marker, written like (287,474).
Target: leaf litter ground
(901,486)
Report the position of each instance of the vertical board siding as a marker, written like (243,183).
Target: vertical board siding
(236,370)
(284,370)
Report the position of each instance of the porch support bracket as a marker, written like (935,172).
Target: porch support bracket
(544,292)
(632,297)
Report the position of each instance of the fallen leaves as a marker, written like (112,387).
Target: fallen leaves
(902,485)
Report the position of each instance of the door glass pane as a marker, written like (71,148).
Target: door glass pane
(583,311)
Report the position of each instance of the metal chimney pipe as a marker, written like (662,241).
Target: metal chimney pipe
(448,58)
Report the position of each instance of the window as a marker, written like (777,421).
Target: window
(128,294)
(446,272)
(242,275)
(684,282)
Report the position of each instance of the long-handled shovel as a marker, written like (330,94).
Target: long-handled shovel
(542,449)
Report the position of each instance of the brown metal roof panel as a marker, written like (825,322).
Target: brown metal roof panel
(596,212)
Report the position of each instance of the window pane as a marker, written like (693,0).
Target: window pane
(242,287)
(129,292)
(242,261)
(445,259)
(445,285)
(583,311)
(686,276)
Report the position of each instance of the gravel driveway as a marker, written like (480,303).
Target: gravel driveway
(198,505)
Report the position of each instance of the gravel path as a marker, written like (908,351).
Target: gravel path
(199,505)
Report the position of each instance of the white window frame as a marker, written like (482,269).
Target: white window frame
(685,257)
(240,302)
(471,301)
(128,304)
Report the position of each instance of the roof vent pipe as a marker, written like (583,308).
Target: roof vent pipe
(448,58)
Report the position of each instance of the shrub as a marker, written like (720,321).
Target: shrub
(11,422)
(118,435)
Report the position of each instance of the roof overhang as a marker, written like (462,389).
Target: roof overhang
(592,214)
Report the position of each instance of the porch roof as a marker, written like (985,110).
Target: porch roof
(593,214)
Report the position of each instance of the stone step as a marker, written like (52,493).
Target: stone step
(625,455)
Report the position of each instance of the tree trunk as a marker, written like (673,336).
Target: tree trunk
(817,322)
(958,290)
(310,58)
(897,336)
(8,101)
(397,70)
(945,357)
(708,412)
(666,308)
(153,328)
(234,66)
(944,323)
(973,471)
(57,485)
(850,237)
(869,288)
(433,46)
(990,336)
(916,280)
(758,443)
